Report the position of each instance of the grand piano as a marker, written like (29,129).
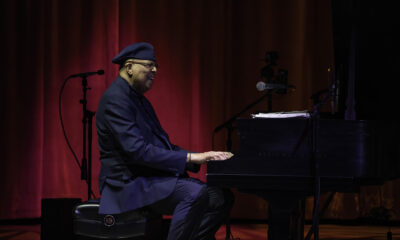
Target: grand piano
(276,161)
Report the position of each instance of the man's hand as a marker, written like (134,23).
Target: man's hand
(202,158)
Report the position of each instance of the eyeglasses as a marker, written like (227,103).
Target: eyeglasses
(147,65)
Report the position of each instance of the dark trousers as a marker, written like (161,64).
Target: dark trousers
(197,210)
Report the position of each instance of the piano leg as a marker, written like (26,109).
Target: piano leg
(297,221)
(281,205)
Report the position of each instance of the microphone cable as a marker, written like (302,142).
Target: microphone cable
(62,123)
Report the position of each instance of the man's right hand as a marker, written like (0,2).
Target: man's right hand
(202,158)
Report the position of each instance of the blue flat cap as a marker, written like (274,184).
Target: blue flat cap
(141,50)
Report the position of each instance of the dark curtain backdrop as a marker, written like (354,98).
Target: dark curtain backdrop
(210,54)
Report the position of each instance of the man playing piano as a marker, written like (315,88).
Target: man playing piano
(140,167)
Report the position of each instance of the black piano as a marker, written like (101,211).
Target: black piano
(275,162)
(274,157)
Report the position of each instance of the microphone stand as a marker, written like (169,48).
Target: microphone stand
(269,95)
(228,125)
(86,167)
(314,121)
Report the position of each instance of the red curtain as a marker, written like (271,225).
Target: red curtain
(210,54)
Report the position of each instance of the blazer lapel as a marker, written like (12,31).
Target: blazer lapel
(151,119)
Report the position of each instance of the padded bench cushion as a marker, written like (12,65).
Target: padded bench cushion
(134,224)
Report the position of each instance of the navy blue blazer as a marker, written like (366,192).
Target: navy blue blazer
(139,165)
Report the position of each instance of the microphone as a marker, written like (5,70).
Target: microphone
(261,86)
(332,89)
(87,74)
(332,92)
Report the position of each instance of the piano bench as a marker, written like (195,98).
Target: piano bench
(139,224)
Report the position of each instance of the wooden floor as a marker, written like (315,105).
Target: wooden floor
(327,232)
(239,231)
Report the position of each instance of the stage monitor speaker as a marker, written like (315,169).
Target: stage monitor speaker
(56,219)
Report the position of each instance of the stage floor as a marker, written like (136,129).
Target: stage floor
(327,232)
(239,231)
